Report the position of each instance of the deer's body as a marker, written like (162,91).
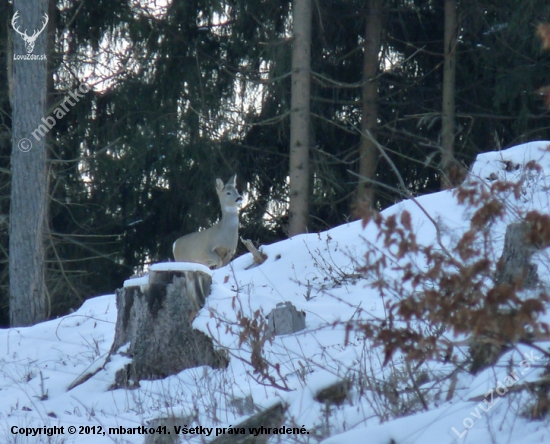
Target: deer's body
(215,246)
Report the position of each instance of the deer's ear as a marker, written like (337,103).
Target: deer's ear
(219,185)
(233,181)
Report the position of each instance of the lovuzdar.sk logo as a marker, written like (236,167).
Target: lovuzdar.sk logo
(28,39)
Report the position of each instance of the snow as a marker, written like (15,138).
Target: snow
(318,274)
(140,281)
(180,266)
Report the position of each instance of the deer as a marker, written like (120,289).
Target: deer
(215,246)
(29,39)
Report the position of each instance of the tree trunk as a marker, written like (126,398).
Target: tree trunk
(368,152)
(29,170)
(448,108)
(300,117)
(154,326)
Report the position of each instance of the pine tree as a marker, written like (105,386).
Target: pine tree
(368,151)
(300,118)
(29,167)
(448,108)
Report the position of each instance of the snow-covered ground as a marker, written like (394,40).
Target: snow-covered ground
(318,274)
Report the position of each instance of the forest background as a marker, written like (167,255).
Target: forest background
(185,92)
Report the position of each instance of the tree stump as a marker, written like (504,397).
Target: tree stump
(285,319)
(514,266)
(270,418)
(515,271)
(154,327)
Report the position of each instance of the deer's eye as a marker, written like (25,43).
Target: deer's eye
(228,193)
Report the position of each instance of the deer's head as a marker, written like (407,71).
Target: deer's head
(230,199)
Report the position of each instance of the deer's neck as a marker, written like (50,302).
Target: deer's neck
(230,217)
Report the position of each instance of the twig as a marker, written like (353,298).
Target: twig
(259,257)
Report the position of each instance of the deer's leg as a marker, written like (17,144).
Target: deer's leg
(214,259)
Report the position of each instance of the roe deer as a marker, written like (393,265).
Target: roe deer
(215,246)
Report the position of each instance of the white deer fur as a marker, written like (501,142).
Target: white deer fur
(215,246)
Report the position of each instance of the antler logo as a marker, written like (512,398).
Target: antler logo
(29,40)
